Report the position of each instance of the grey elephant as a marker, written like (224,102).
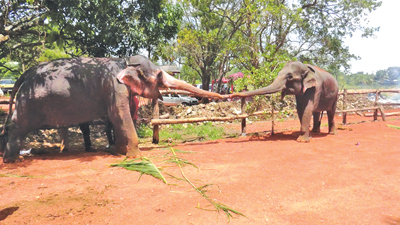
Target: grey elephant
(68,92)
(85,128)
(315,89)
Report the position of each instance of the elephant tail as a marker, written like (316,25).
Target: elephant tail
(14,92)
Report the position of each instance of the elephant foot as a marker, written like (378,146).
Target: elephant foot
(65,149)
(129,151)
(13,160)
(304,139)
(90,150)
(333,133)
(316,130)
(134,154)
(112,151)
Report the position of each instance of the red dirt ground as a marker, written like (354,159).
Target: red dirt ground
(349,178)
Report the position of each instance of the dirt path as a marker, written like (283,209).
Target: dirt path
(350,178)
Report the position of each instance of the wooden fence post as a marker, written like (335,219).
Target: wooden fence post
(344,114)
(156,115)
(243,107)
(377,93)
(273,118)
(382,113)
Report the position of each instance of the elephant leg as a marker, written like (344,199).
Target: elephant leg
(126,139)
(316,122)
(331,119)
(110,133)
(14,145)
(305,122)
(300,111)
(63,132)
(331,122)
(84,127)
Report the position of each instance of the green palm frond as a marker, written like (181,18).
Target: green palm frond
(392,126)
(144,167)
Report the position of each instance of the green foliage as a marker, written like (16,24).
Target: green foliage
(101,28)
(144,131)
(392,126)
(172,132)
(262,76)
(200,190)
(148,167)
(144,167)
(205,131)
(164,25)
(381,79)
(9,69)
(208,131)
(51,54)
(203,41)
(258,36)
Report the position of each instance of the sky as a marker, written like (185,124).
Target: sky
(383,51)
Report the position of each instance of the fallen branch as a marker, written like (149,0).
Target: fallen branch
(219,206)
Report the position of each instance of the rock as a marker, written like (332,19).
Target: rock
(189,110)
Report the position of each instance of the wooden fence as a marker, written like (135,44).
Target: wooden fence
(377,107)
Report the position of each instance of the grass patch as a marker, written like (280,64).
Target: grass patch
(392,126)
(144,131)
(205,131)
(14,175)
(185,132)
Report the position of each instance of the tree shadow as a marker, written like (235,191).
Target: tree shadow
(81,156)
(7,212)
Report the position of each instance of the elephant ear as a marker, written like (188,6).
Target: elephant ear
(309,79)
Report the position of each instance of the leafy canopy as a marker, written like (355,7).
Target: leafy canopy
(100,28)
(259,36)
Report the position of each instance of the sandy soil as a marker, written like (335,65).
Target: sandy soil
(349,178)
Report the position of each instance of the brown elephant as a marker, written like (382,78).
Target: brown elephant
(315,89)
(67,92)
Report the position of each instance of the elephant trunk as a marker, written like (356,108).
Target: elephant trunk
(171,82)
(270,89)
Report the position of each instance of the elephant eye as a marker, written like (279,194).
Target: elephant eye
(289,76)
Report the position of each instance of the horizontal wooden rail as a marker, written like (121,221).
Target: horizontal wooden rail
(370,91)
(389,104)
(196,120)
(356,110)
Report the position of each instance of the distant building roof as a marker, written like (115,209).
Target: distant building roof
(236,75)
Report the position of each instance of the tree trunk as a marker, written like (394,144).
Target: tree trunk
(206,83)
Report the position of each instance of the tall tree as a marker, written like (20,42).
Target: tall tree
(21,33)
(268,33)
(203,40)
(115,27)
(157,25)
(98,28)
